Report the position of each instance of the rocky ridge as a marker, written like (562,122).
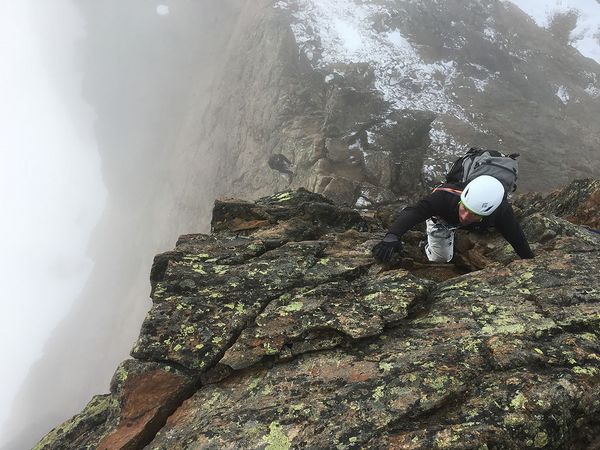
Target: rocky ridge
(279,331)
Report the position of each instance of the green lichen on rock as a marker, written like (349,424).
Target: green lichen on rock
(293,307)
(276,439)
(519,401)
(329,313)
(85,429)
(378,394)
(540,440)
(283,197)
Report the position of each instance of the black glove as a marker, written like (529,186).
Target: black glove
(384,251)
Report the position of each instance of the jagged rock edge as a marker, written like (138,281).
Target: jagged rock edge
(447,402)
(196,377)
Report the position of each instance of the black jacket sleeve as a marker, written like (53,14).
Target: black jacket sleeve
(431,205)
(506,223)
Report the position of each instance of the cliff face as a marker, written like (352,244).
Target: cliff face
(371,100)
(278,330)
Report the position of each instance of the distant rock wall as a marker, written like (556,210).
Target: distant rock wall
(364,126)
(485,71)
(272,101)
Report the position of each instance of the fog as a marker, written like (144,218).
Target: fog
(51,183)
(103,167)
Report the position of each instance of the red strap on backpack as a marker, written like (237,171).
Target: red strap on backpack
(452,191)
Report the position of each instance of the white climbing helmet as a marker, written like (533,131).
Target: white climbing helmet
(483,195)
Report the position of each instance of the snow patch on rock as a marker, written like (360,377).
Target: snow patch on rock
(341,31)
(443,151)
(370,137)
(563,94)
(479,84)
(592,91)
(490,34)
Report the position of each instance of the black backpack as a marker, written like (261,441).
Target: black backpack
(478,162)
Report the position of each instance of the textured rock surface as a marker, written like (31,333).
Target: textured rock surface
(279,331)
(142,396)
(454,74)
(579,203)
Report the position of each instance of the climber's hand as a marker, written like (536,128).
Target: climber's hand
(383,251)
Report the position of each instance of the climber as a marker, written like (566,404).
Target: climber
(480,205)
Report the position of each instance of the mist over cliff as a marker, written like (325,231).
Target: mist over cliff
(50,179)
(147,78)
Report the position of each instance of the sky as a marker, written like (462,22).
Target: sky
(50,181)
